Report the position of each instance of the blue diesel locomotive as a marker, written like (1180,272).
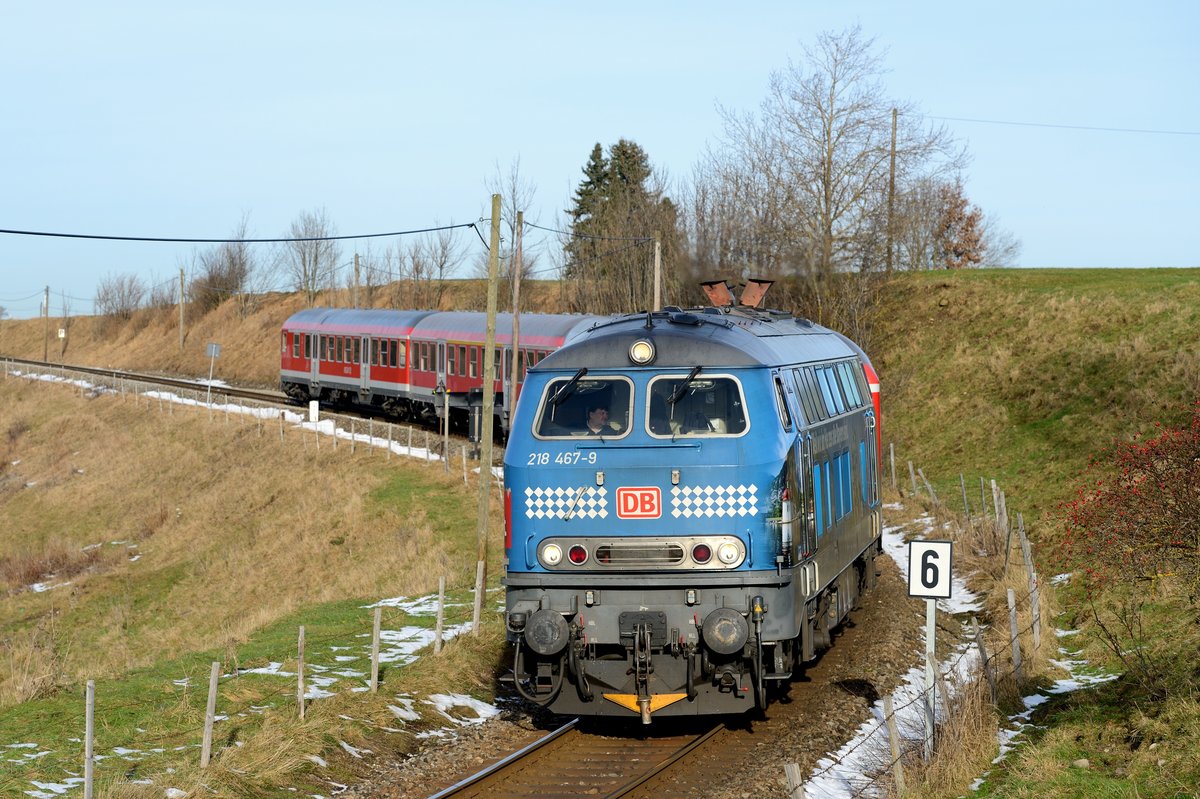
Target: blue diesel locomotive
(692,506)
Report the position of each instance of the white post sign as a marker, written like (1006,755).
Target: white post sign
(214,352)
(929,577)
(929,569)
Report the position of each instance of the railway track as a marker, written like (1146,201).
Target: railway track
(255,395)
(571,762)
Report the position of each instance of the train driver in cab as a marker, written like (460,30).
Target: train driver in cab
(598,423)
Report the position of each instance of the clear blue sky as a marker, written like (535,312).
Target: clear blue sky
(174,120)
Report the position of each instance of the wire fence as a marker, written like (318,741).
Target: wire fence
(893,740)
(355,666)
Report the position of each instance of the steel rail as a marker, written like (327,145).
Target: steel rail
(503,763)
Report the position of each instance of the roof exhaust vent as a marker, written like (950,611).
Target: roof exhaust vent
(756,289)
(719,292)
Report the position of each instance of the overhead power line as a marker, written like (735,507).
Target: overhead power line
(1069,127)
(593,238)
(230,241)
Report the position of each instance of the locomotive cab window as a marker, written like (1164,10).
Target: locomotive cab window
(587,406)
(707,405)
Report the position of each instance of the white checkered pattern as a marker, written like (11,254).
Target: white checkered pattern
(712,501)
(547,503)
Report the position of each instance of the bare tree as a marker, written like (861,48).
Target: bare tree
(517,194)
(225,271)
(163,293)
(310,259)
(118,296)
(800,188)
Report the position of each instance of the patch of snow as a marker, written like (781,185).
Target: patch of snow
(443,703)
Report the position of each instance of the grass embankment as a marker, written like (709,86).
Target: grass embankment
(174,540)
(1020,375)
(1025,377)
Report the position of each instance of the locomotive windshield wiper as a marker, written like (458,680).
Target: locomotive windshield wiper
(677,394)
(566,390)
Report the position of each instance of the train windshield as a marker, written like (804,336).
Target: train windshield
(705,405)
(585,406)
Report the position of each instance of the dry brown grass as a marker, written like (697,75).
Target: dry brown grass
(234,528)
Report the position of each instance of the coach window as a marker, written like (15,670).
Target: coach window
(396,353)
(358,351)
(473,371)
(568,403)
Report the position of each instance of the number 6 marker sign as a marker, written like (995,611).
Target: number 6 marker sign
(929,569)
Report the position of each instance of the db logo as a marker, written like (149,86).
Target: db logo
(639,503)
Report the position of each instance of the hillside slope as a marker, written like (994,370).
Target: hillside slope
(1019,375)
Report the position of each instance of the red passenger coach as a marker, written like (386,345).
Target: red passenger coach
(412,363)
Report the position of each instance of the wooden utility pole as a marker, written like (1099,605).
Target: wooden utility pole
(181,309)
(355,298)
(489,405)
(891,219)
(657,272)
(46,326)
(518,267)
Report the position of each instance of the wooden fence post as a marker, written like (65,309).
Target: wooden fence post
(892,459)
(89,729)
(913,477)
(210,715)
(894,740)
(441,615)
(375,650)
(794,780)
(480,590)
(932,494)
(300,673)
(464,456)
(962,483)
(1035,611)
(983,658)
(1014,633)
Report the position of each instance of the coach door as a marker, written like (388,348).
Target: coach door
(364,368)
(314,360)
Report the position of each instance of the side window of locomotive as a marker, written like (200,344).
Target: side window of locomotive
(707,406)
(806,403)
(830,393)
(839,399)
(849,385)
(597,407)
(785,415)
(812,392)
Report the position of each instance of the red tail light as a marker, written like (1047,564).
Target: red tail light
(577,555)
(701,553)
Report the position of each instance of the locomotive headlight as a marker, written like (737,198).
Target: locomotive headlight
(728,553)
(552,555)
(641,352)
